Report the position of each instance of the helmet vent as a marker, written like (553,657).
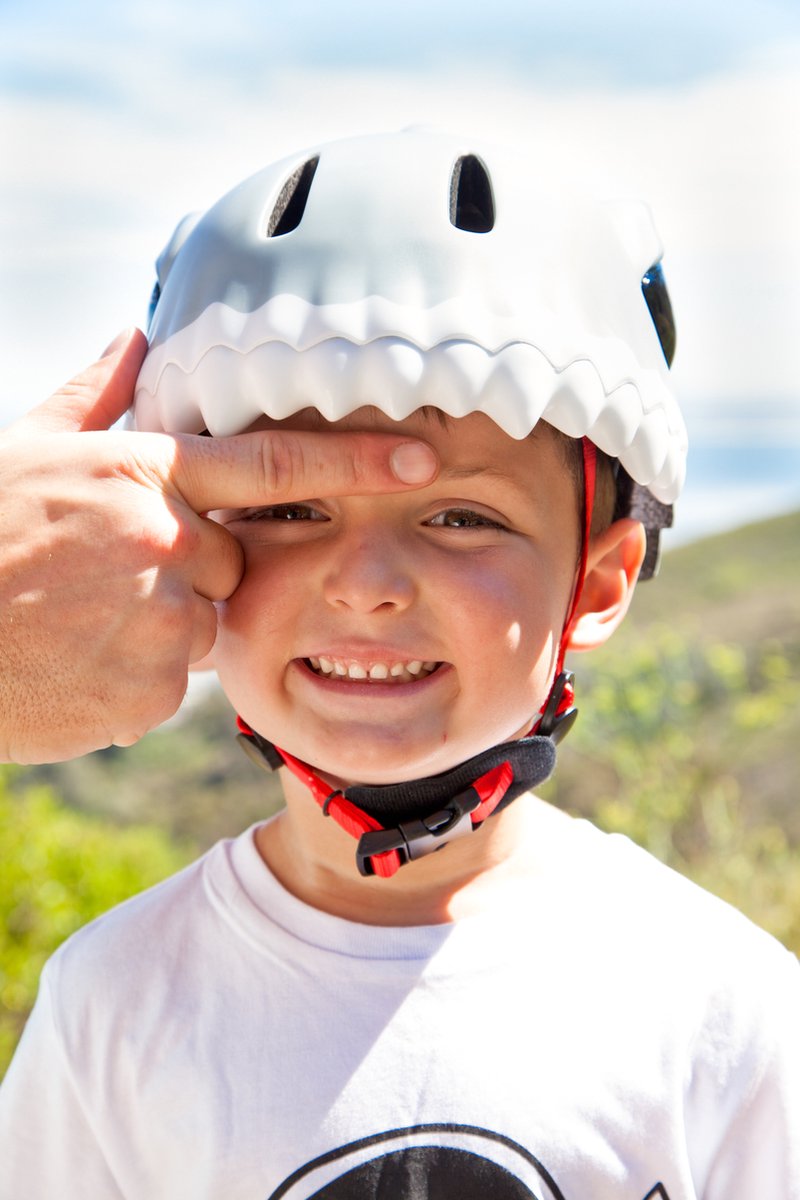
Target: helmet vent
(471,202)
(654,290)
(291,203)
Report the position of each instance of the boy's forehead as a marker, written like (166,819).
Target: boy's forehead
(467,445)
(367,418)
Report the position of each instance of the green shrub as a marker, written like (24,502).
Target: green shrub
(60,869)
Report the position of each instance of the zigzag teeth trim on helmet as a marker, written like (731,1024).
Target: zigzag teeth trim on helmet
(515,385)
(518,391)
(302,325)
(250,385)
(458,372)
(268,379)
(667,485)
(442,382)
(646,457)
(615,426)
(174,408)
(674,476)
(403,368)
(577,399)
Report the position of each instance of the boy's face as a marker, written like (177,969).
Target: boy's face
(473,573)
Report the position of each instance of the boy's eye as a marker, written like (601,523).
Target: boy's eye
(285,512)
(463,518)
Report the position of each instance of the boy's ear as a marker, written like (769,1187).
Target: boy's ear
(614,560)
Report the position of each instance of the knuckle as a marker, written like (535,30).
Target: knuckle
(357,466)
(298,464)
(146,458)
(282,464)
(179,539)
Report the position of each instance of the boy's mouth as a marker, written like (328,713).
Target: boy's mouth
(371,672)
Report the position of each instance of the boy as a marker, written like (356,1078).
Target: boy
(447,988)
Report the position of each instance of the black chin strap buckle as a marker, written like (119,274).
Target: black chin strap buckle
(414,839)
(554,724)
(259,750)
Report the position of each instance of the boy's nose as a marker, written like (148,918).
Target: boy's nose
(369,576)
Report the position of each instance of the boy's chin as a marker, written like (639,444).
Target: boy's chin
(341,779)
(406,769)
(342,772)
(355,759)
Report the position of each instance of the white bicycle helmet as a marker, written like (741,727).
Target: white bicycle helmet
(417,268)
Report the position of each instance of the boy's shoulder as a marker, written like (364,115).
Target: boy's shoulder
(621,903)
(122,945)
(636,883)
(692,944)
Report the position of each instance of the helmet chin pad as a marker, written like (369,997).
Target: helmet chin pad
(396,823)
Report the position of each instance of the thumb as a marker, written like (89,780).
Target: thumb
(98,396)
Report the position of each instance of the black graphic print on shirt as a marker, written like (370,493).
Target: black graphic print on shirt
(429,1162)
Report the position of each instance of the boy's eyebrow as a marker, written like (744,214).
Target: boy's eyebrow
(469,471)
(489,471)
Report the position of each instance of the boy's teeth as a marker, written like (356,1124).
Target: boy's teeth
(399,672)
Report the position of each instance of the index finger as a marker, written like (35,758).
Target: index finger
(278,466)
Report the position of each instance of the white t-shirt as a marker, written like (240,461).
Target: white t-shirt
(612,1033)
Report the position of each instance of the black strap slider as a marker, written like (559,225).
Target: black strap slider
(553,724)
(414,839)
(259,750)
(326,803)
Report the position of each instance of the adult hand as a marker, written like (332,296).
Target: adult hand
(108,568)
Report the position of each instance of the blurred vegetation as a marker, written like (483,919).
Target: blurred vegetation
(689,743)
(58,870)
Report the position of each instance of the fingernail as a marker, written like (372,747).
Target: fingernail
(413,462)
(118,342)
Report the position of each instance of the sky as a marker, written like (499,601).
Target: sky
(115,120)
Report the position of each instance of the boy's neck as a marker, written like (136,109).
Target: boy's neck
(315,861)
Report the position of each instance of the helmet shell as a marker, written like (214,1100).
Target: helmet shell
(410,269)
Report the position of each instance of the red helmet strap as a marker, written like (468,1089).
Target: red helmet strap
(558,712)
